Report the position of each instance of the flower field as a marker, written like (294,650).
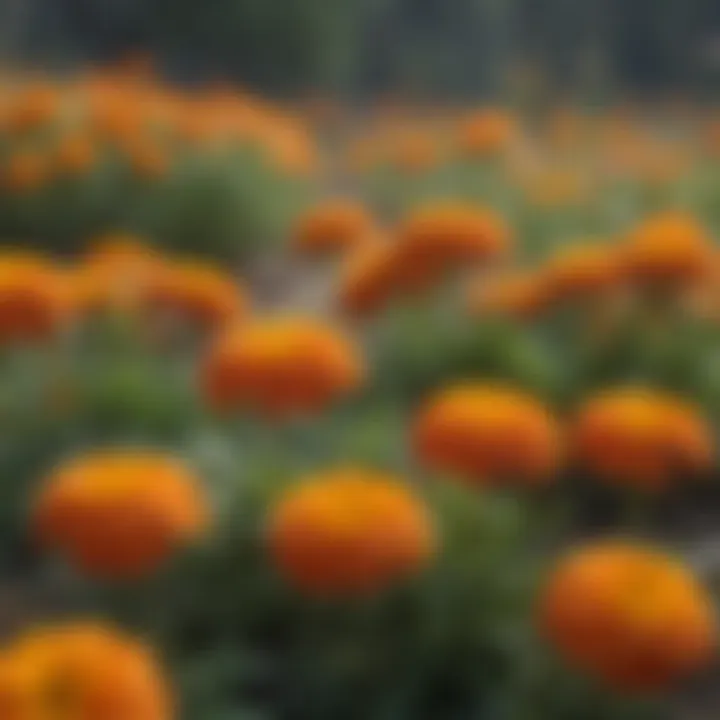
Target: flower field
(310,414)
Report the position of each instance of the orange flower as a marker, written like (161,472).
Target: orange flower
(582,270)
(81,671)
(281,367)
(669,248)
(630,616)
(520,295)
(486,134)
(120,513)
(148,160)
(34,302)
(447,235)
(367,279)
(413,151)
(349,532)
(333,227)
(75,155)
(35,107)
(115,273)
(488,434)
(201,294)
(25,171)
(642,438)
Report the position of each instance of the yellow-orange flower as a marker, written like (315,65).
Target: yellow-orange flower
(281,367)
(486,133)
(36,106)
(367,280)
(669,248)
(488,434)
(75,155)
(629,616)
(447,235)
(520,295)
(201,294)
(333,227)
(25,171)
(349,532)
(642,438)
(115,273)
(582,270)
(81,671)
(34,302)
(120,513)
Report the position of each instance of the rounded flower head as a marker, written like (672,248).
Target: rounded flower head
(115,273)
(629,616)
(447,235)
(75,155)
(413,151)
(669,248)
(33,108)
(120,513)
(486,134)
(520,295)
(349,532)
(333,227)
(25,171)
(33,298)
(201,294)
(280,367)
(367,280)
(488,434)
(582,270)
(81,671)
(642,438)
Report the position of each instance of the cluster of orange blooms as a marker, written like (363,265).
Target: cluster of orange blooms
(59,129)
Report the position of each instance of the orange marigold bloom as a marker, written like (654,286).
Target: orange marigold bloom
(520,295)
(333,227)
(81,671)
(281,367)
(582,270)
(642,438)
(670,247)
(488,434)
(25,171)
(486,133)
(349,532)
(120,513)
(34,301)
(35,107)
(115,273)
(444,235)
(367,279)
(630,616)
(202,294)
(75,155)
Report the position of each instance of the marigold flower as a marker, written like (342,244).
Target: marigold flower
(582,270)
(669,248)
(333,227)
(520,295)
(35,107)
(349,532)
(120,513)
(81,671)
(25,171)
(488,434)
(367,280)
(75,155)
(281,367)
(201,294)
(630,616)
(447,235)
(642,438)
(486,133)
(34,301)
